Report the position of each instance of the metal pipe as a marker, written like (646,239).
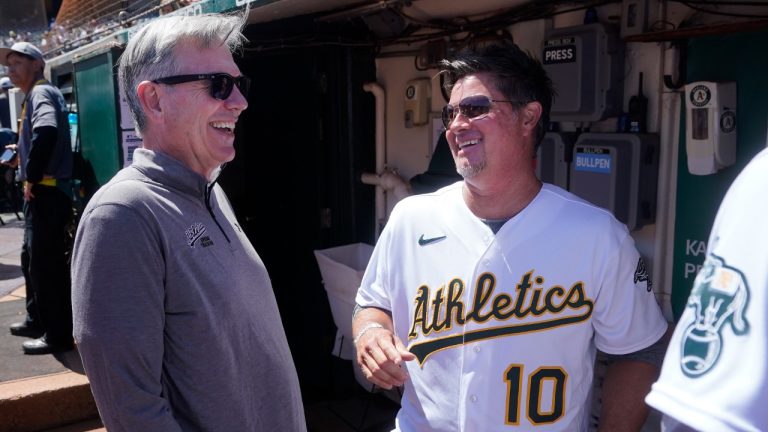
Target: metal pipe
(381,154)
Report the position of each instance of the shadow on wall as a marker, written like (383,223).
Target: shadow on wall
(441,171)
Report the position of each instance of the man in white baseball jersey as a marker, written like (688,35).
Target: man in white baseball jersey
(715,376)
(488,298)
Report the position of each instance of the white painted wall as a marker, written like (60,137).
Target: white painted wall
(408,148)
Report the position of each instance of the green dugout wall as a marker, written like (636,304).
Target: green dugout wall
(97,104)
(740,58)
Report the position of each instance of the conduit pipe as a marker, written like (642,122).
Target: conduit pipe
(381,161)
(669,132)
(384,179)
(389,181)
(381,105)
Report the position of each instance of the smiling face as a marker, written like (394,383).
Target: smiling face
(189,124)
(493,148)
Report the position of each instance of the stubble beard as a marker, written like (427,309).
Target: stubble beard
(470,170)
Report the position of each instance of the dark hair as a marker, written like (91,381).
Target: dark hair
(518,76)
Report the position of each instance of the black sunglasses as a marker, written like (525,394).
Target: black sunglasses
(472,107)
(221,84)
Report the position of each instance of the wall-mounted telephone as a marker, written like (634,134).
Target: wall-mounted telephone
(417,102)
(710,126)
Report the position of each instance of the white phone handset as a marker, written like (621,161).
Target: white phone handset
(417,102)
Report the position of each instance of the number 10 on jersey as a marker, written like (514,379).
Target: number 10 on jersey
(542,378)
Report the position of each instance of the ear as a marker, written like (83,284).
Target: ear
(149,98)
(530,115)
(39,65)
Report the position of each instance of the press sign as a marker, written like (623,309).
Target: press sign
(560,51)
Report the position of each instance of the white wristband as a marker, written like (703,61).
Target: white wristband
(367,327)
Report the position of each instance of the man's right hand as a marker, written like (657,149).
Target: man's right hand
(380,354)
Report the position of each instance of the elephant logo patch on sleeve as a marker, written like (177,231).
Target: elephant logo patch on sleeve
(641,275)
(719,296)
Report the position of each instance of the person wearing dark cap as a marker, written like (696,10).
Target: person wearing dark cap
(45,168)
(5,109)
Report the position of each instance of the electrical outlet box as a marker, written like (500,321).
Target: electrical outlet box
(586,65)
(634,17)
(618,171)
(553,158)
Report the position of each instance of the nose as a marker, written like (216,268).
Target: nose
(236,101)
(459,121)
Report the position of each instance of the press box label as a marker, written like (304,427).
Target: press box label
(560,51)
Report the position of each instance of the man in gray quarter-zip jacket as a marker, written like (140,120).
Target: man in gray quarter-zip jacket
(174,314)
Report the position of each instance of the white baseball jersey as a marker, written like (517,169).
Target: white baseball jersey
(715,376)
(505,326)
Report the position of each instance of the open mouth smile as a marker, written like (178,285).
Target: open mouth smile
(464,144)
(228,127)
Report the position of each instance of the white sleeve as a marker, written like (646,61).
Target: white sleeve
(627,317)
(714,376)
(374,289)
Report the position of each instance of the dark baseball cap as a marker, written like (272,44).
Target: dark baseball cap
(25,48)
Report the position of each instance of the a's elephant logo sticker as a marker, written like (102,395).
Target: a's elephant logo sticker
(720,295)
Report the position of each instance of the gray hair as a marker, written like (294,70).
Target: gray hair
(150,54)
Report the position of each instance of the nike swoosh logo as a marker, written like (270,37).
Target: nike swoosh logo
(424,242)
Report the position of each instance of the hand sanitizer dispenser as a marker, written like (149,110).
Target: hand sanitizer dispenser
(710,126)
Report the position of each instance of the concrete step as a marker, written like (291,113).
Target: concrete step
(42,392)
(94,425)
(45,402)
